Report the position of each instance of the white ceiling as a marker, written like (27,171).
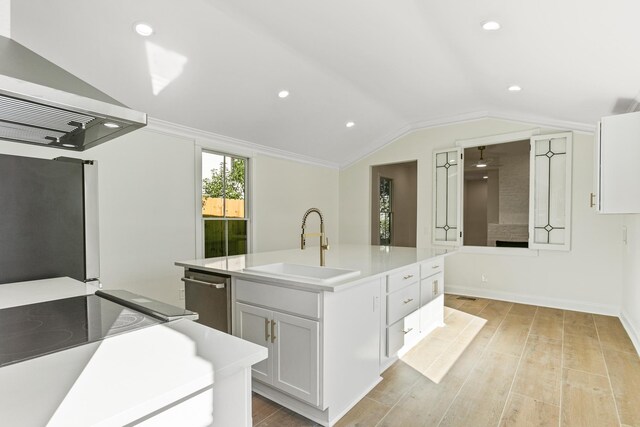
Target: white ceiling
(387,65)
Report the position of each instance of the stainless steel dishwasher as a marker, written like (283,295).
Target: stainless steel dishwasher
(209,295)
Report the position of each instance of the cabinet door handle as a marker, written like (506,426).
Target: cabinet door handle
(592,200)
(408,276)
(407,301)
(435,287)
(407,331)
(435,266)
(266,329)
(273,331)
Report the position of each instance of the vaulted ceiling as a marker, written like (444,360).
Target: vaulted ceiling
(387,65)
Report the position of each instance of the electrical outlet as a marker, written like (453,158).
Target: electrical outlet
(483,278)
(624,234)
(181,294)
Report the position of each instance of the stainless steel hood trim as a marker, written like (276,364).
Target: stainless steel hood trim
(45,105)
(44,95)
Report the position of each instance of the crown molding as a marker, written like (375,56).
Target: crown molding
(214,141)
(228,144)
(545,122)
(392,137)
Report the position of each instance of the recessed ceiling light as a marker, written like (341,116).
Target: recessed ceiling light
(69,145)
(514,88)
(485,177)
(143,29)
(490,26)
(111,125)
(283,93)
(350,124)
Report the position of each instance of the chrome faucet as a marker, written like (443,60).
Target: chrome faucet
(324,242)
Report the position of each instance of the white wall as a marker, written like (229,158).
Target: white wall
(631,280)
(5,18)
(283,191)
(148,207)
(586,278)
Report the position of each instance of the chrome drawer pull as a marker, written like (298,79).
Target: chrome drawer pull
(435,266)
(408,301)
(407,277)
(407,331)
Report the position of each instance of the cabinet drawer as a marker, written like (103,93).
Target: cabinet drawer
(431,267)
(402,302)
(405,277)
(431,287)
(295,301)
(403,331)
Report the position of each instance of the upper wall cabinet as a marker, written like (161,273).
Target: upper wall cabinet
(617,165)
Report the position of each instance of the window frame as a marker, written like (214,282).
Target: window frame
(210,148)
(531,134)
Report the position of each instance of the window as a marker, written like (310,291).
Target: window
(496,195)
(224,208)
(507,191)
(385,210)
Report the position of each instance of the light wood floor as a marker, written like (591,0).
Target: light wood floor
(528,366)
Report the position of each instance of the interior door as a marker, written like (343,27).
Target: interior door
(296,366)
(254,324)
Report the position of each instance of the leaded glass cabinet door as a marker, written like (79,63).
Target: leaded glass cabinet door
(447,165)
(550,192)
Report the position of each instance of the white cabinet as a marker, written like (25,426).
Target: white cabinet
(412,295)
(292,341)
(295,356)
(617,171)
(323,347)
(254,324)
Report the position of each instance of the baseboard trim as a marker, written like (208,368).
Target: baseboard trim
(336,418)
(631,330)
(325,418)
(565,304)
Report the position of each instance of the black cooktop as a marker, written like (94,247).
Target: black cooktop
(34,330)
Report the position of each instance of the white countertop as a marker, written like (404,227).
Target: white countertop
(117,380)
(371,261)
(22,293)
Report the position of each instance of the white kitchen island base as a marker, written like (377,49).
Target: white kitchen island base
(329,341)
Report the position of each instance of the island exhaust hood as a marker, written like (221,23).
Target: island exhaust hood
(42,104)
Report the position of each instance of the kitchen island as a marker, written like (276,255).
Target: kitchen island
(330,331)
(175,373)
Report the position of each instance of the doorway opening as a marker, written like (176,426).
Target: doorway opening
(394,204)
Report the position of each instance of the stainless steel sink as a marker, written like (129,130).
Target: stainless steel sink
(305,272)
